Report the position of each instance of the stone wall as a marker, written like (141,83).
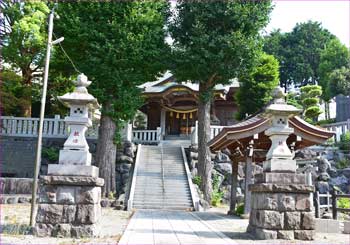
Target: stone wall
(18,155)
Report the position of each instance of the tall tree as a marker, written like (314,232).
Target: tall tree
(118,46)
(24,40)
(299,52)
(334,56)
(339,82)
(256,86)
(213,42)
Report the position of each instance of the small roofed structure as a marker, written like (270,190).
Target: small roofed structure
(272,137)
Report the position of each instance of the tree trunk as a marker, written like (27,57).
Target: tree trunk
(204,159)
(27,83)
(106,153)
(234,185)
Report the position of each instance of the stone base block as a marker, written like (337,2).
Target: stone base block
(280,165)
(71,157)
(327,226)
(347,227)
(262,234)
(285,235)
(72,170)
(69,206)
(277,178)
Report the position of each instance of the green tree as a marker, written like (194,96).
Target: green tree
(299,52)
(24,41)
(334,56)
(310,98)
(339,82)
(256,86)
(118,46)
(213,43)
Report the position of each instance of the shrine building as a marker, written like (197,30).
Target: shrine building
(173,105)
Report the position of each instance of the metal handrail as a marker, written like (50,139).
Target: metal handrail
(161,163)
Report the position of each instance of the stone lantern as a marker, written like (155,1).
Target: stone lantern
(70,195)
(280,197)
(75,158)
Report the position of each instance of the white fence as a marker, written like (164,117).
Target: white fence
(57,128)
(147,136)
(214,130)
(339,128)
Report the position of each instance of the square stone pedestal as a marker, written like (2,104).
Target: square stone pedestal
(281,207)
(69,206)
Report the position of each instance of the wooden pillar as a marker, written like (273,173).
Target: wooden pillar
(162,120)
(248,179)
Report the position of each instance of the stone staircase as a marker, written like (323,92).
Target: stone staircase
(154,192)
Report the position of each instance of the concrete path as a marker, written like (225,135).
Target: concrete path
(171,227)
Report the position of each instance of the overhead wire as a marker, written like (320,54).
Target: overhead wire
(65,53)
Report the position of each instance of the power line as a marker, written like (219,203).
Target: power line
(65,53)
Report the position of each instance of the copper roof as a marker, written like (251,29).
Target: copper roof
(240,134)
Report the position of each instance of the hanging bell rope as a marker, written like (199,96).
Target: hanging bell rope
(179,111)
(184,116)
(177,115)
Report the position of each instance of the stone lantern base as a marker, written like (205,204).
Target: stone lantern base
(281,207)
(69,206)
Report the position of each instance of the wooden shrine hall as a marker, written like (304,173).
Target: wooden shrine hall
(247,141)
(172,105)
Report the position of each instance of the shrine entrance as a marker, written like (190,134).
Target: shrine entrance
(179,123)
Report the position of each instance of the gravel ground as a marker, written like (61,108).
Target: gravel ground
(15,220)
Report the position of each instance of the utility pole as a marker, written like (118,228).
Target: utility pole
(42,113)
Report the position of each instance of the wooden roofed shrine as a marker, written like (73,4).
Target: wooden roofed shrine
(271,136)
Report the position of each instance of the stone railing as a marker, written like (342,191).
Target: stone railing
(214,130)
(339,128)
(28,127)
(147,136)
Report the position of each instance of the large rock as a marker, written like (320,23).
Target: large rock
(224,168)
(305,154)
(221,158)
(125,159)
(345,172)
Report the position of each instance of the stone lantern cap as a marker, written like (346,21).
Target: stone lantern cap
(80,95)
(279,106)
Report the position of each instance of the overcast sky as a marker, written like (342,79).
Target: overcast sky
(333,14)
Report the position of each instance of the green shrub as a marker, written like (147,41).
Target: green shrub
(239,209)
(343,202)
(50,153)
(343,164)
(344,143)
(216,197)
(197,180)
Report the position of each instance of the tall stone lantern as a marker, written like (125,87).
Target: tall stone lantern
(280,203)
(69,196)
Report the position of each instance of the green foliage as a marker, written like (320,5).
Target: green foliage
(335,56)
(214,41)
(344,163)
(339,82)
(50,153)
(140,120)
(216,198)
(326,121)
(197,180)
(299,52)
(344,143)
(24,43)
(14,95)
(256,86)
(239,209)
(111,195)
(118,46)
(294,99)
(343,202)
(310,98)
(217,194)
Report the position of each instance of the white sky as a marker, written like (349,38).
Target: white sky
(333,14)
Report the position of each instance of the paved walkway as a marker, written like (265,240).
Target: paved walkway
(171,227)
